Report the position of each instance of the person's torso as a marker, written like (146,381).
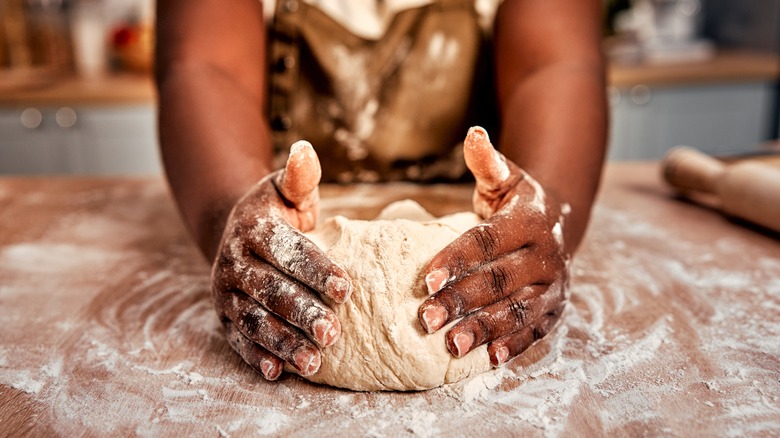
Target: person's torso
(384,106)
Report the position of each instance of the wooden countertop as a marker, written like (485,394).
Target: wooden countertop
(724,67)
(108,327)
(727,66)
(109,90)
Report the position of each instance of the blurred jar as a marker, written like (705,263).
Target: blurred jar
(132,46)
(132,38)
(35,35)
(89,35)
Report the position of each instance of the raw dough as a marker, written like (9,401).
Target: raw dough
(382,346)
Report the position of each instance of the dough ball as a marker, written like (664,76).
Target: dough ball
(382,346)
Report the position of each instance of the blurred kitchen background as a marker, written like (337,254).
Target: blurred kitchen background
(76,96)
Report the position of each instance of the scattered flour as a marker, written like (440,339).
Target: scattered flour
(151,361)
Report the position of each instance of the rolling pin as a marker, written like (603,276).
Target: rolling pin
(748,190)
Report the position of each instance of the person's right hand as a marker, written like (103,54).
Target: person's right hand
(267,274)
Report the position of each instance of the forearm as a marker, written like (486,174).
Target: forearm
(560,137)
(210,73)
(552,99)
(215,145)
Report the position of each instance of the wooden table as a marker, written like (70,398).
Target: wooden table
(108,328)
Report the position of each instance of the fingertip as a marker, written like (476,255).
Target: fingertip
(432,317)
(436,279)
(499,354)
(485,162)
(302,172)
(473,150)
(307,361)
(302,151)
(270,369)
(326,330)
(476,136)
(338,288)
(460,343)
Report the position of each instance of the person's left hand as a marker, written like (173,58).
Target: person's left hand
(507,277)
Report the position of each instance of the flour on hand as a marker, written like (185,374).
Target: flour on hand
(382,346)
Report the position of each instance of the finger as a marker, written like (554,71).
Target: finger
(256,356)
(286,248)
(509,315)
(298,182)
(489,166)
(497,236)
(291,301)
(505,348)
(487,284)
(271,332)
(496,176)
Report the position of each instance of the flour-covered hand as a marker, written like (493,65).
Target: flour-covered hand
(267,276)
(507,277)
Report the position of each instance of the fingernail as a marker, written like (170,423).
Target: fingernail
(269,369)
(434,318)
(436,279)
(501,356)
(307,362)
(340,288)
(462,342)
(325,332)
(478,131)
(301,146)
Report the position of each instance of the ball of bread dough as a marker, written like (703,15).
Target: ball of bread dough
(382,346)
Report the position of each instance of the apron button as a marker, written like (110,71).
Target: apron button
(291,6)
(285,63)
(282,123)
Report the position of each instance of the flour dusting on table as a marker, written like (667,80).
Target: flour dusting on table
(128,342)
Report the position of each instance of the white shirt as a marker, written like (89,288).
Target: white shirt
(369,19)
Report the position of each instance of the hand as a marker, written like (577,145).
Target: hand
(267,275)
(507,276)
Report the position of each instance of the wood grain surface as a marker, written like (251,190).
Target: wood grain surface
(727,66)
(108,328)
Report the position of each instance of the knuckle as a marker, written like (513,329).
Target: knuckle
(518,309)
(486,240)
(250,322)
(486,327)
(282,341)
(454,300)
(272,293)
(457,262)
(235,339)
(538,332)
(555,313)
(499,279)
(222,267)
(221,275)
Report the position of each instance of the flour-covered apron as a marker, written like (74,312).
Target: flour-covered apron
(376,110)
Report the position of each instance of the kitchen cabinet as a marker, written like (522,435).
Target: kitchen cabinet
(91,140)
(725,118)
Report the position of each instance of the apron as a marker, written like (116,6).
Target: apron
(392,109)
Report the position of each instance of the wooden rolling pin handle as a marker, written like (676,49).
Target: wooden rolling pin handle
(748,190)
(687,169)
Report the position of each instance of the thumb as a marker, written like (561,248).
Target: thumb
(489,166)
(301,174)
(298,184)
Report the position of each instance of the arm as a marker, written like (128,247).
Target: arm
(266,276)
(508,277)
(210,72)
(552,99)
